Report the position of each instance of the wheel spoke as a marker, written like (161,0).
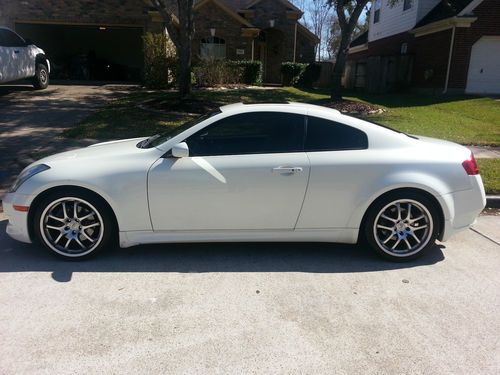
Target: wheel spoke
(407,244)
(388,238)
(396,244)
(52,227)
(388,218)
(87,236)
(384,227)
(415,237)
(75,210)
(418,228)
(56,218)
(408,216)
(58,238)
(398,206)
(79,243)
(417,219)
(86,216)
(64,210)
(91,225)
(67,243)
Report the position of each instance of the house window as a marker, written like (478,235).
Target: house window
(376,14)
(407,4)
(213,48)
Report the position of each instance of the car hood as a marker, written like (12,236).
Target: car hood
(98,151)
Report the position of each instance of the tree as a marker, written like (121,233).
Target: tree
(319,12)
(182,36)
(348,12)
(334,34)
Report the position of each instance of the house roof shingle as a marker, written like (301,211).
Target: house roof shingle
(444,9)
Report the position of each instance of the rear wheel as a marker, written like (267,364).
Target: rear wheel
(41,78)
(74,226)
(402,226)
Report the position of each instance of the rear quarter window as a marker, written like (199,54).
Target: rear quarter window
(327,135)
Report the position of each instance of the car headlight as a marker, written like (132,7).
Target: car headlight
(26,174)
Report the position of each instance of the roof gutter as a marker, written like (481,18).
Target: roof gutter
(442,25)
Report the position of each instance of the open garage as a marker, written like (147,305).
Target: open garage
(89,52)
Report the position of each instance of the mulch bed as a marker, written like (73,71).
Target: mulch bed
(350,106)
(194,106)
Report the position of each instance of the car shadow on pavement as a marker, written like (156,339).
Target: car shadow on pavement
(206,257)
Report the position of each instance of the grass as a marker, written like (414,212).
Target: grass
(461,119)
(490,173)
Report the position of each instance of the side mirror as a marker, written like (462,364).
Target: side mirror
(180,150)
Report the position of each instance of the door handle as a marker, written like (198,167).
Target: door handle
(16,51)
(287,169)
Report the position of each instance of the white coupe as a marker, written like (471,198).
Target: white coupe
(251,172)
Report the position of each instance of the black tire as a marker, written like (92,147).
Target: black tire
(41,78)
(101,235)
(415,238)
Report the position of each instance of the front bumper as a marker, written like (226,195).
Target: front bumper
(464,208)
(17,227)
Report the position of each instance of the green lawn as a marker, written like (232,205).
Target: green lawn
(466,120)
(490,173)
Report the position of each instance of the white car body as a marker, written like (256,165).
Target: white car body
(160,199)
(19,61)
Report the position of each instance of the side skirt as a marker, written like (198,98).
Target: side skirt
(338,235)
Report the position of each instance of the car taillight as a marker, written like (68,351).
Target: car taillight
(470,165)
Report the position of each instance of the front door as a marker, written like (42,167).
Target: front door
(15,60)
(244,172)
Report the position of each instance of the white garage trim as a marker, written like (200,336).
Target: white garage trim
(483,76)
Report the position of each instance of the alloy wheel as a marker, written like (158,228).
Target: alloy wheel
(71,226)
(403,227)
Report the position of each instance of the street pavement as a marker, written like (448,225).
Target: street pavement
(253,308)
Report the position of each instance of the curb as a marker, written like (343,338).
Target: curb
(493,201)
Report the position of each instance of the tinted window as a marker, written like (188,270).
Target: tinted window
(326,135)
(250,133)
(10,39)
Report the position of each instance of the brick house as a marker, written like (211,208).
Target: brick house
(111,30)
(439,46)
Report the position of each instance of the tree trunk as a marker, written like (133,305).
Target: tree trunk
(186,31)
(338,69)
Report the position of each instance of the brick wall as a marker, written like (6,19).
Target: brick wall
(226,27)
(488,23)
(431,60)
(77,11)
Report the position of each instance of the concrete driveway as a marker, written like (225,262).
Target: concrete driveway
(31,121)
(252,308)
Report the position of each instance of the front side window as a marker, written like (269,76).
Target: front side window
(326,135)
(376,14)
(250,133)
(10,39)
(213,48)
(407,4)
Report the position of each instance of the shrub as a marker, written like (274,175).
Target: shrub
(217,72)
(310,75)
(251,71)
(291,72)
(160,61)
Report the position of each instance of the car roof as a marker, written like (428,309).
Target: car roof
(282,106)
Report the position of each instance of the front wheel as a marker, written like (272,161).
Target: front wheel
(41,78)
(402,226)
(74,226)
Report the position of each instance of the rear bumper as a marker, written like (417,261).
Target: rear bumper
(463,208)
(17,227)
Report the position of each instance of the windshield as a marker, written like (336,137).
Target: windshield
(173,131)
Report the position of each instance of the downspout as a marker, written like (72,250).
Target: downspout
(295,43)
(449,61)
(253,48)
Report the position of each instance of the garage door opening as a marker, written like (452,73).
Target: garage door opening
(102,53)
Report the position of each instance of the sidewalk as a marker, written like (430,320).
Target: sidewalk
(485,152)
